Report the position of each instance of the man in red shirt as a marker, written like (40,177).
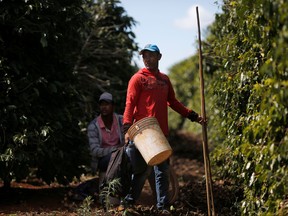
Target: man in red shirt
(149,94)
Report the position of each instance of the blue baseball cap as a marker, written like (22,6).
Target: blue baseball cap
(151,48)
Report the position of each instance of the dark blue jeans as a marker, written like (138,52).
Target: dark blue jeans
(141,172)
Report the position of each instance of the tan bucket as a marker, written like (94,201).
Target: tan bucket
(150,140)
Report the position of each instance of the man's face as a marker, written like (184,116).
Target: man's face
(151,59)
(106,108)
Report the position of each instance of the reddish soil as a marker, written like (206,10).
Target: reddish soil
(36,198)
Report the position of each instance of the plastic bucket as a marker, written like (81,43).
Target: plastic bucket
(150,140)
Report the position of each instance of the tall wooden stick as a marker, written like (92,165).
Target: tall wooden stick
(209,188)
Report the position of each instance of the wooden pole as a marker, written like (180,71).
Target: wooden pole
(209,188)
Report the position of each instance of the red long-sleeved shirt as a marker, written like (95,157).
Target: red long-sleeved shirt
(148,95)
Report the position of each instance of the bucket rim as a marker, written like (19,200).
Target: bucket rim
(134,128)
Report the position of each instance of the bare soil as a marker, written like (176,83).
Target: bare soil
(34,197)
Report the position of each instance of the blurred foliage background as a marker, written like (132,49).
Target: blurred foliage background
(56,58)
(246,80)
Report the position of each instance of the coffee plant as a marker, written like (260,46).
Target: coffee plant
(249,94)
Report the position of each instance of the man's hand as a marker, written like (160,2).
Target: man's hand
(127,138)
(126,127)
(201,120)
(195,117)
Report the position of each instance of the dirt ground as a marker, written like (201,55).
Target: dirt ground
(37,198)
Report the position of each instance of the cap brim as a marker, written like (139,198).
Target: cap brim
(147,49)
(106,100)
